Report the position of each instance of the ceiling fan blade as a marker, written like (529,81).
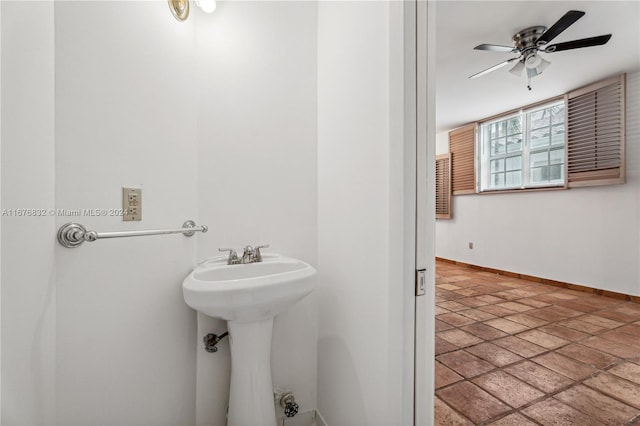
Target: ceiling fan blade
(562,24)
(494,48)
(577,44)
(493,68)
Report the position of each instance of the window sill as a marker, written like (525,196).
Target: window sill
(516,190)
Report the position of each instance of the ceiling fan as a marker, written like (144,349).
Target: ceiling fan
(532,41)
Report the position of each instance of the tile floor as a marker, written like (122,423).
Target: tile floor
(515,352)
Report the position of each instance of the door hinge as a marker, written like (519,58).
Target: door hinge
(421,282)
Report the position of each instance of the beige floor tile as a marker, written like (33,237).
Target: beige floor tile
(455,319)
(515,352)
(506,325)
(627,371)
(566,366)
(465,364)
(551,412)
(597,405)
(507,388)
(446,416)
(459,338)
(519,346)
(541,377)
(543,339)
(473,402)
(444,376)
(494,354)
(588,355)
(515,419)
(618,388)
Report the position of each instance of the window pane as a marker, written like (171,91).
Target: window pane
(539,118)
(498,146)
(540,137)
(497,165)
(555,172)
(514,163)
(502,128)
(557,114)
(540,174)
(497,180)
(557,134)
(514,126)
(514,143)
(493,130)
(556,156)
(539,159)
(514,178)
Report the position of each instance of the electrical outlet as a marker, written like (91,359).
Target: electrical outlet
(132,204)
(470,245)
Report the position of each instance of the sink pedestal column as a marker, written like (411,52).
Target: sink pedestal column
(251,395)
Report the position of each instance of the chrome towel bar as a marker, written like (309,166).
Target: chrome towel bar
(72,234)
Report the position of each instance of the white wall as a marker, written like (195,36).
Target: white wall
(28,270)
(257,171)
(138,97)
(125,116)
(586,236)
(219,120)
(360,213)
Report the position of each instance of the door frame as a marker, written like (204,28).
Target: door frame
(424,326)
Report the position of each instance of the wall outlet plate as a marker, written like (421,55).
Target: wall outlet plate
(132,204)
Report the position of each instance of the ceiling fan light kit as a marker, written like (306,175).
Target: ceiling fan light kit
(532,41)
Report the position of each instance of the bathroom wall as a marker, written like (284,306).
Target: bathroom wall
(125,116)
(28,175)
(100,334)
(218,119)
(361,376)
(586,236)
(256,66)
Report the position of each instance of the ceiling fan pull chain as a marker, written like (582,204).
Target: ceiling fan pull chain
(529,83)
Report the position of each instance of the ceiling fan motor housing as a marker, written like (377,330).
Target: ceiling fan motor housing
(526,39)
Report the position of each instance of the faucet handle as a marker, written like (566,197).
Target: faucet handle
(256,254)
(233,256)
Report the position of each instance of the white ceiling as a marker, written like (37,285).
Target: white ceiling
(462,25)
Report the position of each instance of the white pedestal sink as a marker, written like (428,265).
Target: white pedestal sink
(248,296)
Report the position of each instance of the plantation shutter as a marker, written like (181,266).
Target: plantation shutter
(443,186)
(596,134)
(462,146)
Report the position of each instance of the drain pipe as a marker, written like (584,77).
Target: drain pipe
(287,401)
(211,340)
(289,404)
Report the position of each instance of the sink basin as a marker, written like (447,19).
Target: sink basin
(248,292)
(248,296)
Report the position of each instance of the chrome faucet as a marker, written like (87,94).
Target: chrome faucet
(233,256)
(249,255)
(252,255)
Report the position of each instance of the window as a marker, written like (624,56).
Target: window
(523,150)
(572,142)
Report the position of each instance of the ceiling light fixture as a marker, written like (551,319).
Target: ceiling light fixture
(180,8)
(533,63)
(208,6)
